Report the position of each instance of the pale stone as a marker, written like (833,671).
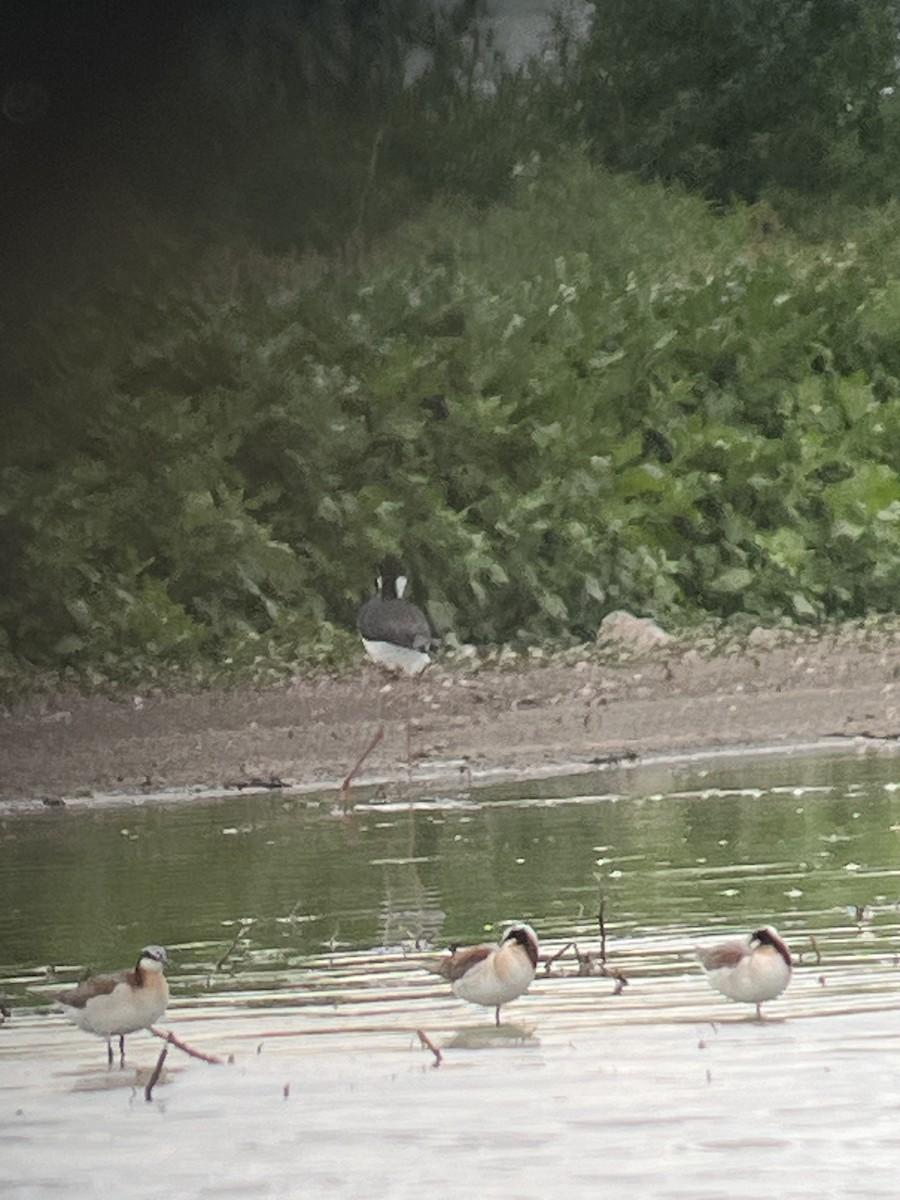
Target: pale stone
(639,632)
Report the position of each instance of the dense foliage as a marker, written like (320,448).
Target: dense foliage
(551,390)
(733,96)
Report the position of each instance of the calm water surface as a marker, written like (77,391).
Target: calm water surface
(296,936)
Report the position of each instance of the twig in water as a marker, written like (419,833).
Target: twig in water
(345,786)
(618,976)
(244,926)
(551,959)
(586,960)
(171,1040)
(429,1045)
(157,1071)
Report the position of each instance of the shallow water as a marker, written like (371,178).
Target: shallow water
(296,936)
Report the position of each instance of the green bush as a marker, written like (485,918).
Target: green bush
(598,394)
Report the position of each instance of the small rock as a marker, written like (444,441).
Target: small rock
(764,639)
(640,632)
(57,718)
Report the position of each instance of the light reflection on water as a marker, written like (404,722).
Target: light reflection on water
(296,937)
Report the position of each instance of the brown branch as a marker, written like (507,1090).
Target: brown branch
(172,1040)
(585,961)
(551,959)
(429,1045)
(815,945)
(345,786)
(619,976)
(157,1071)
(244,926)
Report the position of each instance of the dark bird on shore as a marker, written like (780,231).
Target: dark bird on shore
(395,633)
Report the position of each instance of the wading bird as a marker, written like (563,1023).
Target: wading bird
(395,633)
(751,969)
(113,1005)
(492,975)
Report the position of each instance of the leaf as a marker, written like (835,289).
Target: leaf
(70,644)
(802,606)
(735,579)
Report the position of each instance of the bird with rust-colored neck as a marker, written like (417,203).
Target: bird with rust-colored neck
(492,975)
(113,1005)
(395,633)
(751,970)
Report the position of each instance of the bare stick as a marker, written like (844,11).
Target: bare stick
(234,941)
(551,959)
(157,1071)
(619,976)
(586,962)
(815,945)
(601,919)
(429,1045)
(172,1040)
(345,786)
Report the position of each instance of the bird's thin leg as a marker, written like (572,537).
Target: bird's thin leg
(109,1051)
(759,1015)
(121,1049)
(497,1016)
(412,695)
(409,753)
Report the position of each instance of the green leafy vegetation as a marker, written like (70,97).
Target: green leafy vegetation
(549,388)
(734,96)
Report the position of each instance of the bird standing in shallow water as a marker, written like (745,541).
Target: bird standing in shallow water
(752,969)
(492,975)
(395,633)
(113,1005)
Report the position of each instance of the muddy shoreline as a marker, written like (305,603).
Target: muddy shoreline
(469,719)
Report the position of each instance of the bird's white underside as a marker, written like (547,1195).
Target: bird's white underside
(397,658)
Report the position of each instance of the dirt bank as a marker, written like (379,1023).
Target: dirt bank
(465,718)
